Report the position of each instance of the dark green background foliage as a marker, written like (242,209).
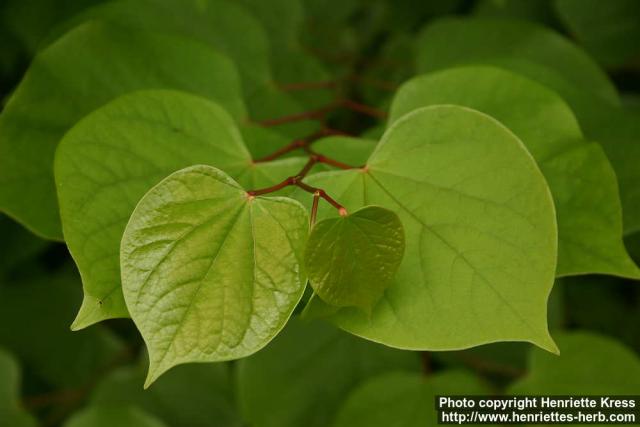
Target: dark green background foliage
(501,140)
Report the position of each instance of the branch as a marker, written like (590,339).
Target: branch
(296,180)
(305,115)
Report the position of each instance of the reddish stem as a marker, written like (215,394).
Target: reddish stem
(364,109)
(314,209)
(329,161)
(321,193)
(306,115)
(297,181)
(298,143)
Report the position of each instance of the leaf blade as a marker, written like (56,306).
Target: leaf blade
(176,256)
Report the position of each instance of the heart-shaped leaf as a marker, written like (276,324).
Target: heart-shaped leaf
(91,65)
(109,160)
(208,272)
(480,227)
(350,260)
(589,216)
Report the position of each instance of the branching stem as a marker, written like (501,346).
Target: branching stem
(296,180)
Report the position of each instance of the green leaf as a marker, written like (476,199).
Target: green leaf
(547,58)
(579,175)
(608,30)
(210,273)
(351,260)
(349,150)
(11,412)
(480,228)
(109,416)
(306,373)
(261,141)
(109,160)
(404,399)
(453,41)
(198,395)
(589,364)
(39,310)
(214,23)
(91,65)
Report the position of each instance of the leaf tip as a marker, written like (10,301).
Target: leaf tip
(548,344)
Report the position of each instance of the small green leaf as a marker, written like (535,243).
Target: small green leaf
(91,65)
(351,260)
(404,399)
(210,273)
(11,413)
(109,416)
(480,227)
(589,364)
(305,374)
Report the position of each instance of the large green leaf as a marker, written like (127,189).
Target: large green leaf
(350,260)
(91,65)
(210,273)
(39,310)
(197,395)
(305,374)
(553,61)
(215,23)
(589,364)
(609,30)
(109,416)
(11,412)
(480,227)
(579,175)
(109,160)
(451,41)
(404,399)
